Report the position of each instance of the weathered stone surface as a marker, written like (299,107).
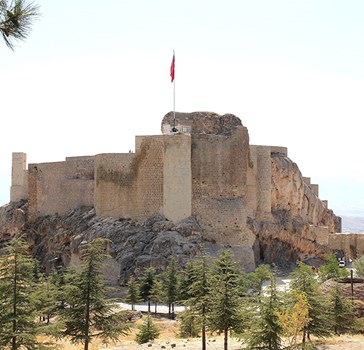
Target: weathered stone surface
(13,217)
(205,122)
(56,239)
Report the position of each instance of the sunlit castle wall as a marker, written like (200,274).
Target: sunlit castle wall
(55,188)
(155,180)
(19,177)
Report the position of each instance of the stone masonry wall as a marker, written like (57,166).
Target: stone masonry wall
(352,245)
(131,185)
(219,177)
(54,187)
(19,177)
(113,184)
(177,185)
(260,184)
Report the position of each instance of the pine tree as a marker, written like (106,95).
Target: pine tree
(170,284)
(341,310)
(157,293)
(224,295)
(189,324)
(358,265)
(303,281)
(266,331)
(133,294)
(146,284)
(17,313)
(148,331)
(90,313)
(58,280)
(199,294)
(254,280)
(16,19)
(185,281)
(46,298)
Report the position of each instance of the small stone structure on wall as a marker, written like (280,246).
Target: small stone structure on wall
(206,169)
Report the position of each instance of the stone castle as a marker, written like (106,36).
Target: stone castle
(206,169)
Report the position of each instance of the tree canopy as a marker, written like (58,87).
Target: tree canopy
(16,20)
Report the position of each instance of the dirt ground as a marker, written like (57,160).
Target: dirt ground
(216,343)
(169,340)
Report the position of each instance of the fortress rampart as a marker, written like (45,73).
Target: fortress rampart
(208,169)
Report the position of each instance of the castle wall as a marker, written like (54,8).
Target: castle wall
(320,234)
(131,185)
(177,185)
(219,177)
(351,244)
(55,188)
(315,189)
(259,194)
(114,177)
(251,185)
(279,149)
(19,177)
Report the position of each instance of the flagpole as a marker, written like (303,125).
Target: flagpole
(174,97)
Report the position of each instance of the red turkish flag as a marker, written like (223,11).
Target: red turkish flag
(172,69)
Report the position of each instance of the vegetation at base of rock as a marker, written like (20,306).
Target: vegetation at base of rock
(148,331)
(170,283)
(90,313)
(146,284)
(17,287)
(293,317)
(265,329)
(358,265)
(133,295)
(217,295)
(320,324)
(225,304)
(342,311)
(330,269)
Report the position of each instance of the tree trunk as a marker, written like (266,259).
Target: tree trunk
(87,311)
(226,335)
(148,305)
(172,311)
(304,337)
(203,337)
(15,301)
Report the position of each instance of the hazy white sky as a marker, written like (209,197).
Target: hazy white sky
(93,74)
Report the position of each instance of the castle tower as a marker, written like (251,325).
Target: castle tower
(19,177)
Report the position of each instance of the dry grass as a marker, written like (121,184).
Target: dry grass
(169,336)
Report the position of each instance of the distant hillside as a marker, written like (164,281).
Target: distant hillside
(352,224)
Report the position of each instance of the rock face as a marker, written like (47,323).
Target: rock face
(55,240)
(204,122)
(298,218)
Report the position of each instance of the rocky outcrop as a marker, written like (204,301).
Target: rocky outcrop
(204,122)
(55,240)
(297,215)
